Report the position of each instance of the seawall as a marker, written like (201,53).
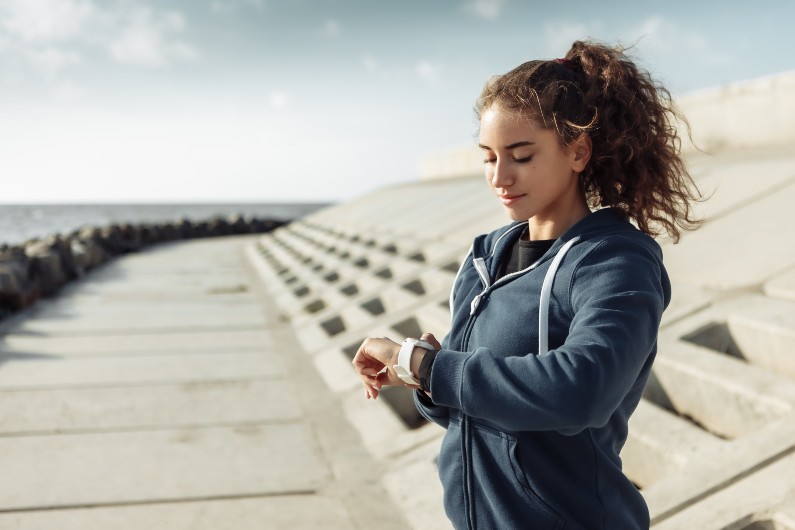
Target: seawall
(40,267)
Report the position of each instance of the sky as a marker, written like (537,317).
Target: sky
(308,100)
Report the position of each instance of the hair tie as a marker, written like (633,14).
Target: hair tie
(564,62)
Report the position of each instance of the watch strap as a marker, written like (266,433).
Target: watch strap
(403,366)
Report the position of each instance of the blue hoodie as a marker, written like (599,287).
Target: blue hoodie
(533,436)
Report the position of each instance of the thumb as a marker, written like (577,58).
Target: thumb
(430,339)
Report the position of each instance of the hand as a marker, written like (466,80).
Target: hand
(376,357)
(373,362)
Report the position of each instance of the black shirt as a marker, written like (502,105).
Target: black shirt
(523,254)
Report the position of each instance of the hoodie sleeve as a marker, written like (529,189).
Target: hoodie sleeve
(431,412)
(427,408)
(617,294)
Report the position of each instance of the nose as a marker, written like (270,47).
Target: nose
(500,175)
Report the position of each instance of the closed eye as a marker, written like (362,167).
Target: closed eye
(523,160)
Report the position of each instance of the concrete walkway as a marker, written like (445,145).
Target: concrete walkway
(165,391)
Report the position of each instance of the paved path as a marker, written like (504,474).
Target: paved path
(164,391)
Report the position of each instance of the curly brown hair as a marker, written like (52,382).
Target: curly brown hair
(636,164)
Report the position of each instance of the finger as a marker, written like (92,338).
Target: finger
(371,381)
(366,365)
(370,392)
(430,339)
(389,378)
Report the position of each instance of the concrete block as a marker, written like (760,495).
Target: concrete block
(382,431)
(147,466)
(721,394)
(146,407)
(298,512)
(782,286)
(763,331)
(708,256)
(762,500)
(144,322)
(661,443)
(724,179)
(26,372)
(217,341)
(740,458)
(410,484)
(336,370)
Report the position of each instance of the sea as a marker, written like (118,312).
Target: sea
(23,222)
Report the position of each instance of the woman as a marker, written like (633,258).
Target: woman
(555,316)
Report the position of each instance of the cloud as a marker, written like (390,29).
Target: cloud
(151,39)
(279,100)
(47,34)
(232,6)
(68,91)
(427,70)
(558,36)
(51,61)
(370,63)
(488,9)
(37,21)
(662,37)
(331,28)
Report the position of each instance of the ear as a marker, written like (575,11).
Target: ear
(581,149)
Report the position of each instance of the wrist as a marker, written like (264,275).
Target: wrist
(416,360)
(407,368)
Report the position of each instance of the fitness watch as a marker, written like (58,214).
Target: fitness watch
(403,366)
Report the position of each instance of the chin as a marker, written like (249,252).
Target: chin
(516,216)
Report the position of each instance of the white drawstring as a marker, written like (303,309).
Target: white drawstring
(546,291)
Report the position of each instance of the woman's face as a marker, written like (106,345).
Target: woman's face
(533,175)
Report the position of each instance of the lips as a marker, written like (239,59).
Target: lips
(507,200)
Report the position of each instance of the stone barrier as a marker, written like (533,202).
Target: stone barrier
(40,267)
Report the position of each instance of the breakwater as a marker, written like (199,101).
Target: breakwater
(40,267)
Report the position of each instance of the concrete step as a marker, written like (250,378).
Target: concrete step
(661,443)
(81,470)
(283,511)
(107,408)
(716,392)
(152,343)
(36,371)
(782,286)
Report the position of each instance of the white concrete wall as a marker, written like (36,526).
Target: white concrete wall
(755,113)
(462,161)
(749,114)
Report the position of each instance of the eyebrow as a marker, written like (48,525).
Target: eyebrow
(509,147)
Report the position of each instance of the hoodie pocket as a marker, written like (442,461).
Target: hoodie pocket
(451,472)
(501,494)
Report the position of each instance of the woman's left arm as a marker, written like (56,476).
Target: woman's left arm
(617,295)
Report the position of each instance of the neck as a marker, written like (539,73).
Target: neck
(541,228)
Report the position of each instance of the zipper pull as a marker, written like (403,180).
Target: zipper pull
(475,303)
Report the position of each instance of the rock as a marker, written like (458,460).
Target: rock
(238,224)
(41,267)
(88,248)
(218,227)
(17,291)
(129,238)
(46,266)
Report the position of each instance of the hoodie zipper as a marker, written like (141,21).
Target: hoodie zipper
(485,278)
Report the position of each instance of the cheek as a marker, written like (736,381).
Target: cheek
(489,174)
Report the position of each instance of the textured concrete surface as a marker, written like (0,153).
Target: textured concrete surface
(718,408)
(166,391)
